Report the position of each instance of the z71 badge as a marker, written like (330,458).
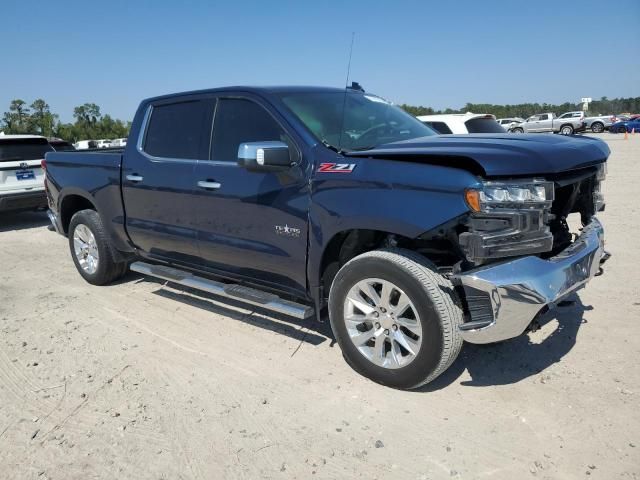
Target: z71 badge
(336,167)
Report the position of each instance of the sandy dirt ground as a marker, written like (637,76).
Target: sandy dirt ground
(144,380)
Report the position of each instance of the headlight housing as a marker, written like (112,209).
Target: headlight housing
(598,197)
(510,194)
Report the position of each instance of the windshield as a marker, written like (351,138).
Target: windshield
(368,120)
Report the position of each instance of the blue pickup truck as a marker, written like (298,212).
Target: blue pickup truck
(297,199)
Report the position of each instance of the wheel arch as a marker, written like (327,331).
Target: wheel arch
(437,245)
(71,203)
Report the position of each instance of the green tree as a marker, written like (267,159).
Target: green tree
(87,117)
(17,118)
(42,120)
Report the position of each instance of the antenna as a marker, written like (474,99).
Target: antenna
(346,86)
(346,83)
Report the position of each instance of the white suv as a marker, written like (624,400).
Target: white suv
(21,173)
(462,123)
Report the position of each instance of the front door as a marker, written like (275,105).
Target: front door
(546,123)
(252,224)
(532,124)
(159,178)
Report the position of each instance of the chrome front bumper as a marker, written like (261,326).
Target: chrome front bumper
(504,298)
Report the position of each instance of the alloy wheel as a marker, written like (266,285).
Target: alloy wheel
(383,323)
(86,248)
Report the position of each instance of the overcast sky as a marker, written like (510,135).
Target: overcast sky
(439,54)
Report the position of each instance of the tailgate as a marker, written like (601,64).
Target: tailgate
(25,175)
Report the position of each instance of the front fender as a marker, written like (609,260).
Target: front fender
(401,198)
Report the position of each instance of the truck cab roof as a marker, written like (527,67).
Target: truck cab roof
(259,90)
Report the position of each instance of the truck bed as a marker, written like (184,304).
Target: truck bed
(68,177)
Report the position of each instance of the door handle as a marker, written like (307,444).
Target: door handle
(209,185)
(134,178)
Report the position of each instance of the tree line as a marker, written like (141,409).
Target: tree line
(37,118)
(604,106)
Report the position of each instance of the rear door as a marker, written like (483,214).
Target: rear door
(20,167)
(159,177)
(254,224)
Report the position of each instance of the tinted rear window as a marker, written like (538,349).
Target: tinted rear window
(483,125)
(62,146)
(439,127)
(16,149)
(180,130)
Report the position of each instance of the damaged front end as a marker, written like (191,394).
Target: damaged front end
(521,255)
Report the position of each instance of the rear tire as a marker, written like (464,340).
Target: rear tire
(399,347)
(566,130)
(597,127)
(91,250)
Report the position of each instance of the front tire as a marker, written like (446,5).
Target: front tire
(517,130)
(91,251)
(597,127)
(395,318)
(622,129)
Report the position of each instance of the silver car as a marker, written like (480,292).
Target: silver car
(600,123)
(509,123)
(566,124)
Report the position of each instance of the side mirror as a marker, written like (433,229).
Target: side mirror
(264,156)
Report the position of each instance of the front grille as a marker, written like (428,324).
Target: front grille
(506,232)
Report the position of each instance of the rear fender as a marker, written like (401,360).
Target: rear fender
(112,216)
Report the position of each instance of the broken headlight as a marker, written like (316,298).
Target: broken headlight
(598,197)
(511,194)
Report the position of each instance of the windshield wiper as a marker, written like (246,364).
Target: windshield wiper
(329,146)
(362,149)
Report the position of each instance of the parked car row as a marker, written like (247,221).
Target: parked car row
(102,143)
(566,124)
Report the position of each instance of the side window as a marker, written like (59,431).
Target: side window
(544,117)
(180,130)
(238,121)
(439,127)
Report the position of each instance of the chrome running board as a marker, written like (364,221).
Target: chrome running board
(249,295)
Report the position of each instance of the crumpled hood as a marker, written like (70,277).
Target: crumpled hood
(500,154)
